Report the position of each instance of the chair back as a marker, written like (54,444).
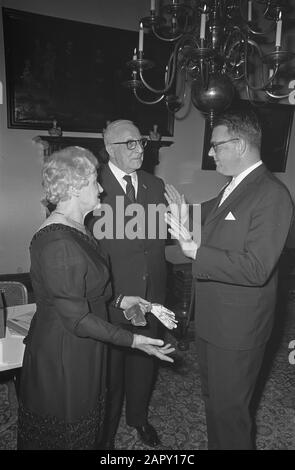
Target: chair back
(13,293)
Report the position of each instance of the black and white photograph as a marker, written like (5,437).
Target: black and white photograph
(147,236)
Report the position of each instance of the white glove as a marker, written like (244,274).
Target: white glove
(165,316)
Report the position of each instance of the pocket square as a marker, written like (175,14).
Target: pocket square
(230,216)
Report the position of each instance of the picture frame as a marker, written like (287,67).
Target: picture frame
(73,73)
(276,122)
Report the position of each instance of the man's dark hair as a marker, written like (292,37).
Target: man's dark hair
(243,123)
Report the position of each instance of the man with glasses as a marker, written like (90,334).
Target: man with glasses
(235,268)
(138,267)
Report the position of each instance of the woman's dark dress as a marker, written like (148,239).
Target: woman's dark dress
(62,391)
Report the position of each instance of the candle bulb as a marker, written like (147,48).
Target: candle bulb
(140,42)
(134,55)
(279,31)
(153,5)
(174,23)
(166,74)
(250,10)
(203,26)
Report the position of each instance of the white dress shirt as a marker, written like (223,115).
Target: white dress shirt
(119,175)
(236,180)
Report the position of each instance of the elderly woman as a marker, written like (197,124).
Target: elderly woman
(62,390)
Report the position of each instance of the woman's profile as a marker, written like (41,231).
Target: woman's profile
(62,389)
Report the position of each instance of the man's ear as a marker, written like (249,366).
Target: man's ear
(110,150)
(241,146)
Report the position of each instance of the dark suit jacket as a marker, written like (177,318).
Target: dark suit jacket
(236,264)
(138,265)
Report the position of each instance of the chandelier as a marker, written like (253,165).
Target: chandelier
(219,48)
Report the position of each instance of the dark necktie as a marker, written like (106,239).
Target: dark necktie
(130,191)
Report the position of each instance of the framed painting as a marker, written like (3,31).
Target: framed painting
(276,122)
(72,72)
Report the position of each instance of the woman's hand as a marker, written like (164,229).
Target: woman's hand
(128,301)
(153,347)
(180,232)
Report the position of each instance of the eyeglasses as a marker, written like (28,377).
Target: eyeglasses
(215,145)
(131,144)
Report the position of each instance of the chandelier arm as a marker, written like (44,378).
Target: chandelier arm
(187,38)
(155,90)
(233,46)
(267,15)
(171,75)
(246,41)
(238,77)
(173,61)
(277,97)
(157,100)
(251,99)
(194,14)
(255,45)
(261,33)
(169,78)
(271,79)
(231,49)
(253,31)
(234,30)
(182,92)
(268,81)
(266,8)
(166,39)
(177,38)
(271,95)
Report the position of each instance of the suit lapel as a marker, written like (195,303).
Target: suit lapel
(110,184)
(142,190)
(112,187)
(235,194)
(218,199)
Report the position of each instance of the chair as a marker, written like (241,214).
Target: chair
(13,293)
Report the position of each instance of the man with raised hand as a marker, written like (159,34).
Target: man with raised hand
(235,270)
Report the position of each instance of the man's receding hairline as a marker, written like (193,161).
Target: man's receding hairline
(119,127)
